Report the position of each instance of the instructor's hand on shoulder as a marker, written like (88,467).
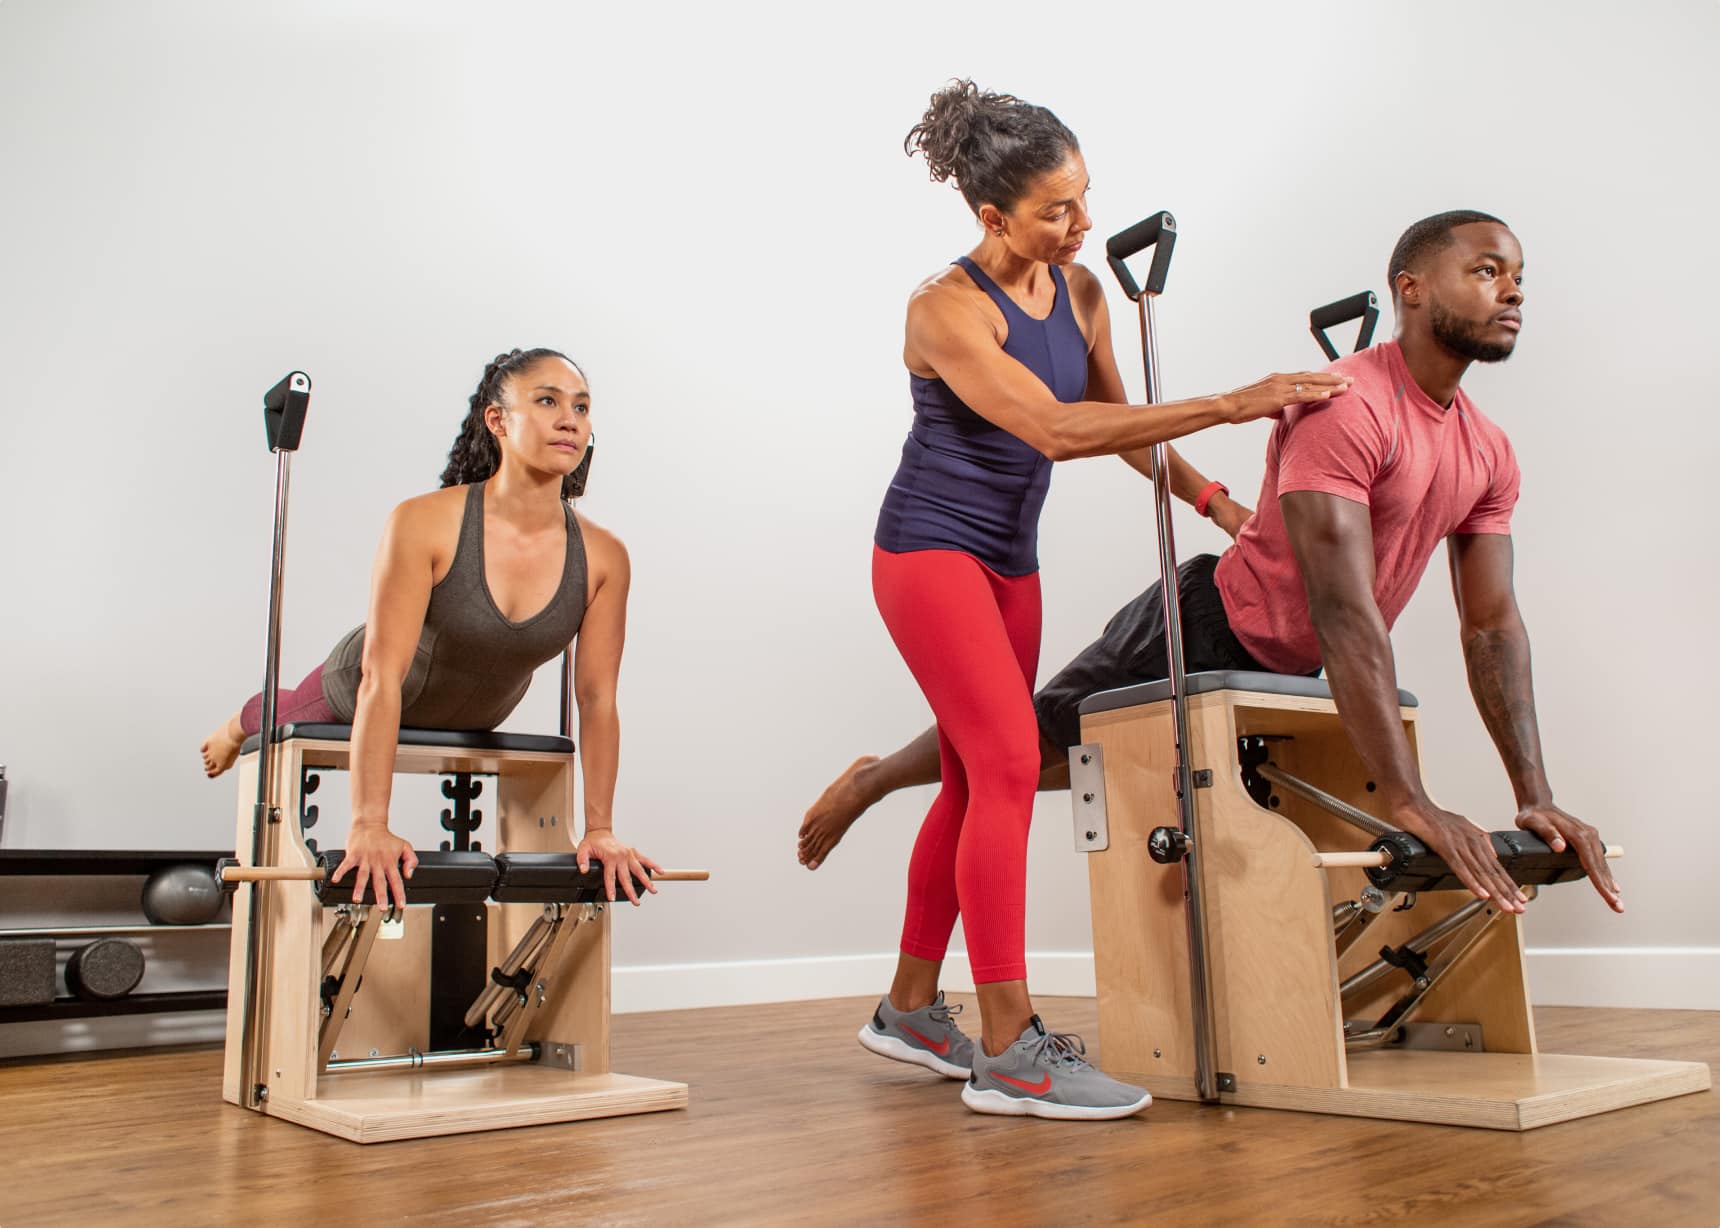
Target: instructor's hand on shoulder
(379,857)
(1467,850)
(1272,394)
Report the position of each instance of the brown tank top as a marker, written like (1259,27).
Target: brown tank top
(473,664)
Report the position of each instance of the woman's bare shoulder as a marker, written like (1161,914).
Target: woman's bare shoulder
(603,549)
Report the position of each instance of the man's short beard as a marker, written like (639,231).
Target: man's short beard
(1464,339)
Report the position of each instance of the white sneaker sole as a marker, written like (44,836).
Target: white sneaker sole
(902,1051)
(1026,1106)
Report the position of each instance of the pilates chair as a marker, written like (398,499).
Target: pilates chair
(1261,939)
(482,1004)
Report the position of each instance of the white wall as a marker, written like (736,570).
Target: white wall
(709,207)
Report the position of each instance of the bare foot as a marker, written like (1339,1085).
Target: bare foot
(221,748)
(833,814)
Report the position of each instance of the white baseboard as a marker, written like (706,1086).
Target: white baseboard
(662,987)
(1667,978)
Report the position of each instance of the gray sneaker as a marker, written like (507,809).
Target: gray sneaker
(1044,1074)
(927,1037)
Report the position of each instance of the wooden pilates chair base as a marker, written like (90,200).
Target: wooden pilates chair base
(1273,964)
(379,1106)
(1491,1091)
(390,1012)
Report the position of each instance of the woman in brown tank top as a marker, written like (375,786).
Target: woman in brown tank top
(475,585)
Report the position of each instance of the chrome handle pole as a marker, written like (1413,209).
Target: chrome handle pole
(284,410)
(1200,983)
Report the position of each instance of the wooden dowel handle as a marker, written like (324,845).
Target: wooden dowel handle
(1365,859)
(261,874)
(681,876)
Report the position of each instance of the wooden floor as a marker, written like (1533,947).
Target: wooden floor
(792,1122)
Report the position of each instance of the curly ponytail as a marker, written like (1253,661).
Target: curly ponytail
(476,455)
(992,145)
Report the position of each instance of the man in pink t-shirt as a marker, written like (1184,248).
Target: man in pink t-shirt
(1359,492)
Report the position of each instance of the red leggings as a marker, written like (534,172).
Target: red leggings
(304,702)
(971,639)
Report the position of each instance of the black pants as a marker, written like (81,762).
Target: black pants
(1132,650)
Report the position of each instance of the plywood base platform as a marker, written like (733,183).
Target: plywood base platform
(1494,1091)
(377,1106)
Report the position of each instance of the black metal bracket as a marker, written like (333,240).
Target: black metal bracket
(309,783)
(1226,1081)
(462,820)
(1253,752)
(1404,957)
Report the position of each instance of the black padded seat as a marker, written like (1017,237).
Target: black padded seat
(1298,685)
(551,878)
(441,878)
(448,739)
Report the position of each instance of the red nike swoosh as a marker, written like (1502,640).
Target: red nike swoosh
(939,1047)
(1032,1089)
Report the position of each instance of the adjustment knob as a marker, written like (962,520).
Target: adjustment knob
(1167,845)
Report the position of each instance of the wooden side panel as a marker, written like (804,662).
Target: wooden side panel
(1268,919)
(245,773)
(293,950)
(1140,943)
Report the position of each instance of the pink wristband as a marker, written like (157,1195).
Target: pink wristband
(1204,499)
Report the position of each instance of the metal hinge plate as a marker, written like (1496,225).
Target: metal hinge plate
(1087,797)
(560,1054)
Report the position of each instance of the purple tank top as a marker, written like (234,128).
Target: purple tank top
(965,484)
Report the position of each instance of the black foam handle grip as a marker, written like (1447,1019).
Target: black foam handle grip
(1415,867)
(1159,232)
(284,408)
(1361,305)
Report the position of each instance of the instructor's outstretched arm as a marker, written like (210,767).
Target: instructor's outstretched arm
(948,337)
(1332,538)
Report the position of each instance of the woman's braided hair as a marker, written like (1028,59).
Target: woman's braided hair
(476,455)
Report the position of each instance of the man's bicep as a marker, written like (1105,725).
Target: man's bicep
(1333,540)
(1481,583)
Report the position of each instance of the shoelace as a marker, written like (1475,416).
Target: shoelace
(943,1013)
(1061,1049)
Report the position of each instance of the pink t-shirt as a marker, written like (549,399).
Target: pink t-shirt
(1424,473)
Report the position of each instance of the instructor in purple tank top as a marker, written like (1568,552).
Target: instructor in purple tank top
(1010,368)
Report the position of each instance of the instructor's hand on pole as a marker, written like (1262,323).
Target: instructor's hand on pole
(1269,396)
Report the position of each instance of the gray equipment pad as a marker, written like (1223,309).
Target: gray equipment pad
(1219,680)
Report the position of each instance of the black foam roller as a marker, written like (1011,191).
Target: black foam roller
(107,968)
